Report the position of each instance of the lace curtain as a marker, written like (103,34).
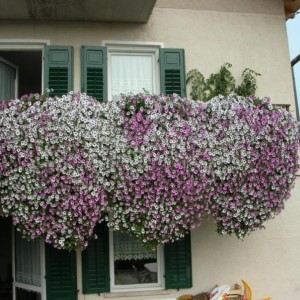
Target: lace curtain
(128,248)
(131,74)
(7,82)
(28,262)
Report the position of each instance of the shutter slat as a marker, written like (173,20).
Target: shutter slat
(60,274)
(58,69)
(95,262)
(172,71)
(178,265)
(93,73)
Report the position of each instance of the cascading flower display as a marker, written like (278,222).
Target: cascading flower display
(255,175)
(56,165)
(164,185)
(154,166)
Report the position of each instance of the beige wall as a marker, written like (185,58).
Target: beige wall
(234,33)
(268,259)
(247,34)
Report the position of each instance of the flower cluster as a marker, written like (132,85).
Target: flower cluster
(154,166)
(56,156)
(164,183)
(232,158)
(254,160)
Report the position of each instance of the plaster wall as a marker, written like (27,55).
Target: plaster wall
(268,259)
(210,34)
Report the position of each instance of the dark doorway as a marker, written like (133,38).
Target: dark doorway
(5,258)
(29,63)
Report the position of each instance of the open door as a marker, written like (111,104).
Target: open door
(8,80)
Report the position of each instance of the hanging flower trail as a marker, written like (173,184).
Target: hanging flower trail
(153,166)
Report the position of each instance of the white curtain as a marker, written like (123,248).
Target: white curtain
(131,74)
(7,81)
(28,261)
(128,248)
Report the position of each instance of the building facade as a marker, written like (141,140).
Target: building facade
(87,45)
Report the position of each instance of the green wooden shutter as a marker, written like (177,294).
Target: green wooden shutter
(60,274)
(59,69)
(178,264)
(95,262)
(172,71)
(94,71)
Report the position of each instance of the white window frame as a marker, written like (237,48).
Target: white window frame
(133,48)
(159,285)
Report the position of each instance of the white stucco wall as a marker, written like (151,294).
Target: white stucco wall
(234,33)
(268,259)
(247,34)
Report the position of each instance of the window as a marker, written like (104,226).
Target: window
(133,266)
(28,267)
(107,269)
(132,69)
(120,68)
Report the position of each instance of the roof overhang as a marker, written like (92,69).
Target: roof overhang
(134,11)
(290,8)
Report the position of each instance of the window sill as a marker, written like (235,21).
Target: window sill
(137,294)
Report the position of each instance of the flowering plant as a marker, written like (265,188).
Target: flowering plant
(165,182)
(154,166)
(254,158)
(233,158)
(56,156)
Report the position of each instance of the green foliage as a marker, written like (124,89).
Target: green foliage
(221,83)
(248,86)
(199,85)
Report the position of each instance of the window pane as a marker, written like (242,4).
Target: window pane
(28,266)
(131,74)
(133,263)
